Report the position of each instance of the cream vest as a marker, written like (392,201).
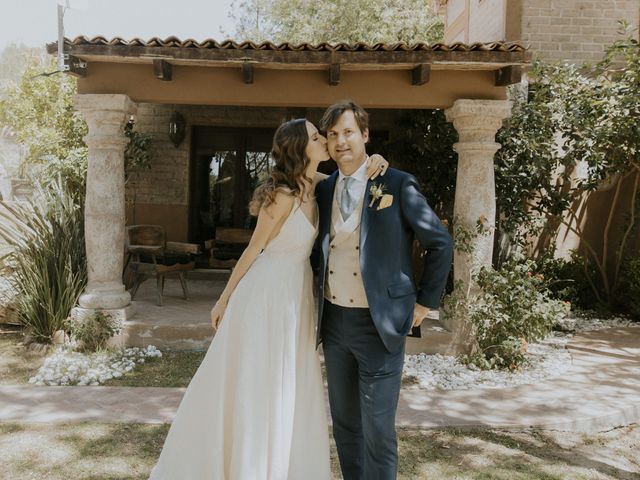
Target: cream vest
(344,284)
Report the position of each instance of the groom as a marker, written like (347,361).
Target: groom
(368,301)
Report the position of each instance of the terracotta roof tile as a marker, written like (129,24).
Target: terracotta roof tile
(354,47)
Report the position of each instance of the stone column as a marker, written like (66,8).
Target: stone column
(106,116)
(477,122)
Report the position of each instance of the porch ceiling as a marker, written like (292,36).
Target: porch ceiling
(231,73)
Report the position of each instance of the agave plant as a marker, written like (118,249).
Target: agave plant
(47,256)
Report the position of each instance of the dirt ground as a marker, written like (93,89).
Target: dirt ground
(128,451)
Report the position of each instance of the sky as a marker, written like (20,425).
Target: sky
(35,22)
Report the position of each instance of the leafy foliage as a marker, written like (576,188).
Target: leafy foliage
(630,288)
(14,59)
(424,148)
(47,256)
(577,130)
(513,307)
(335,21)
(93,331)
(40,110)
(136,153)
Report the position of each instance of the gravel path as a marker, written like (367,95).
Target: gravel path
(546,359)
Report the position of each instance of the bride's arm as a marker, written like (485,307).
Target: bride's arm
(377,165)
(268,219)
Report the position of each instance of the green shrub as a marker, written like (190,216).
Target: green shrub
(630,290)
(93,331)
(47,256)
(571,280)
(512,309)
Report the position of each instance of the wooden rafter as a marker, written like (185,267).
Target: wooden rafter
(163,70)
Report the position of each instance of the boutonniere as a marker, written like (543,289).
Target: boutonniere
(377,193)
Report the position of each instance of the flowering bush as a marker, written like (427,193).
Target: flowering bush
(68,367)
(511,309)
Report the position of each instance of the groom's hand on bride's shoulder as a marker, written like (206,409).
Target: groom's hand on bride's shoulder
(376,165)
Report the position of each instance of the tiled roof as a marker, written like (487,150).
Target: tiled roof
(321,47)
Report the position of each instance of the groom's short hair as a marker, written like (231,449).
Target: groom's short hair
(335,111)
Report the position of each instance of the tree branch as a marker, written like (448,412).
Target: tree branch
(616,278)
(605,240)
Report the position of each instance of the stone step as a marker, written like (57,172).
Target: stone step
(196,336)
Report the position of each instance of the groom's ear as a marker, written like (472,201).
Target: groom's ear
(365,135)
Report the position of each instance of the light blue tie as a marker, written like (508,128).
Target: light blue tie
(347,201)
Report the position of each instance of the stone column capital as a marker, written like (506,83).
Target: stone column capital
(465,107)
(478,120)
(89,102)
(106,116)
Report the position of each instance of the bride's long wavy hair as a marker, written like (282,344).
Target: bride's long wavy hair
(291,162)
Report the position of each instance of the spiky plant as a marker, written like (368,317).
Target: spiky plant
(47,256)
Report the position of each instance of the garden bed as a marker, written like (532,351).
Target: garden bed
(546,359)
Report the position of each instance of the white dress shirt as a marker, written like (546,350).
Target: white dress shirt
(358,186)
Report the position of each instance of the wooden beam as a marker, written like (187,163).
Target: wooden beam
(294,112)
(162,70)
(247,72)
(508,75)
(77,66)
(420,74)
(334,74)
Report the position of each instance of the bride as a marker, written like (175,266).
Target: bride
(255,409)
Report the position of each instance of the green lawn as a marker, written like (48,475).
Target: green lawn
(128,451)
(173,369)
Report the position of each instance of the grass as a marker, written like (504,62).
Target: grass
(17,364)
(173,369)
(128,451)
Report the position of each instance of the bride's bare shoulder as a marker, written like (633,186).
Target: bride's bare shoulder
(282,204)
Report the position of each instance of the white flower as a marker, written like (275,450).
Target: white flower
(67,367)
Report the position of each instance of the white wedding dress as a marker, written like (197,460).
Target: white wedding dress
(255,409)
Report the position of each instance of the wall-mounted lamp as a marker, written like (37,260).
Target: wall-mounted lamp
(177,128)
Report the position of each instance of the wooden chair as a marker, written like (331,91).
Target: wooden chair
(227,247)
(152,256)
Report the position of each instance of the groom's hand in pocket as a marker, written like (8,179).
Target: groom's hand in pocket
(419,314)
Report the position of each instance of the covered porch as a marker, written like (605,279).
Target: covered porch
(258,86)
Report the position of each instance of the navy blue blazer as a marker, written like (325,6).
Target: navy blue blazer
(386,239)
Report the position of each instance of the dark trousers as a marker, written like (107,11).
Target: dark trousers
(364,385)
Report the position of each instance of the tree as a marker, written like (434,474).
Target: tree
(335,21)
(14,59)
(594,112)
(39,109)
